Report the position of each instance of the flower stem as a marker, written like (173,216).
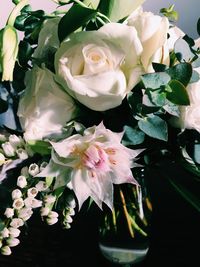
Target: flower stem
(129,223)
(15,12)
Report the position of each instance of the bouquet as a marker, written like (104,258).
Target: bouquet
(92,95)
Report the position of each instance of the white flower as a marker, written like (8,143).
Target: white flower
(44,211)
(33,169)
(95,162)
(18,203)
(45,107)
(21,153)
(14,232)
(8,149)
(21,181)
(5,250)
(32,192)
(15,141)
(99,68)
(49,199)
(41,186)
(16,223)
(9,212)
(2,159)
(12,242)
(5,233)
(52,221)
(25,214)
(53,214)
(31,202)
(16,194)
(152,31)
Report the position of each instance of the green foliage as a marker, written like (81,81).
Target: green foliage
(181,72)
(75,18)
(178,94)
(154,126)
(116,10)
(41,147)
(132,136)
(170,13)
(155,80)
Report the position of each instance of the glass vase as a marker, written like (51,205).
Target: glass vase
(124,231)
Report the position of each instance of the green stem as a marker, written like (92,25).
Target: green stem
(136,226)
(15,12)
(129,224)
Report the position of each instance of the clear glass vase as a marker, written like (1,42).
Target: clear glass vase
(124,231)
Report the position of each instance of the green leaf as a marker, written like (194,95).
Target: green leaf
(49,180)
(196,63)
(178,94)
(25,52)
(132,136)
(171,108)
(155,80)
(76,17)
(158,67)
(19,22)
(40,147)
(154,126)
(59,191)
(116,10)
(170,13)
(2,225)
(183,51)
(184,192)
(158,98)
(181,72)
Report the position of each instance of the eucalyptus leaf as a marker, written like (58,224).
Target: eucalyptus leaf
(196,63)
(155,80)
(178,94)
(171,108)
(116,10)
(157,97)
(154,127)
(76,17)
(183,51)
(132,136)
(195,77)
(181,72)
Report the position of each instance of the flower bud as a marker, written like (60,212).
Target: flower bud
(21,181)
(44,211)
(66,225)
(49,199)
(14,232)
(24,171)
(21,153)
(16,223)
(1,244)
(15,141)
(16,194)
(9,212)
(43,165)
(8,149)
(52,221)
(5,233)
(68,219)
(41,186)
(12,242)
(53,214)
(33,169)
(25,214)
(31,202)
(6,250)
(9,52)
(71,201)
(2,138)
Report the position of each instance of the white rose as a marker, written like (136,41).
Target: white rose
(152,31)
(99,68)
(44,108)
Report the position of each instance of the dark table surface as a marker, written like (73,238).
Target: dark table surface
(174,240)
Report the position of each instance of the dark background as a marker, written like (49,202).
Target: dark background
(174,239)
